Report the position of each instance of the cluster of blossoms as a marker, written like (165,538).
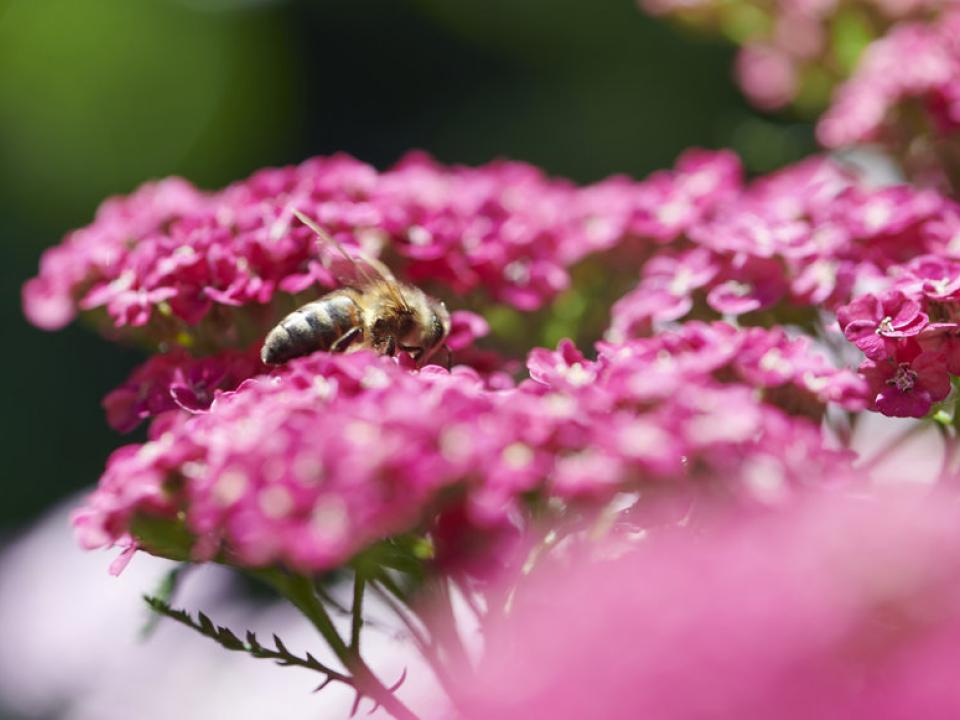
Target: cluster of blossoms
(308,465)
(905,93)
(708,391)
(910,335)
(810,236)
(170,257)
(794,51)
(177,380)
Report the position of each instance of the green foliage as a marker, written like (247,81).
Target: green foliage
(163,537)
(852,32)
(226,638)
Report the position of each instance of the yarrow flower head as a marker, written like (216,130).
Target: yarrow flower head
(309,464)
(169,257)
(812,235)
(720,389)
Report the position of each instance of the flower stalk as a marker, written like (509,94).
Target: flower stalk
(299,590)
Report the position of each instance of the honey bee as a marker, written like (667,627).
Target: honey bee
(372,310)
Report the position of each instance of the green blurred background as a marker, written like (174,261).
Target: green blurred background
(97,96)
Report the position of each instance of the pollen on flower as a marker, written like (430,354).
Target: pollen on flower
(904,378)
(517,272)
(774,361)
(639,439)
(559,406)
(456,443)
(418,235)
(578,375)
(360,433)
(374,379)
(329,519)
(307,468)
(193,469)
(323,388)
(671,213)
(230,486)
(518,455)
(275,502)
(765,480)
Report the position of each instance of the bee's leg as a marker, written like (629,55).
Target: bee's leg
(415,352)
(386,346)
(345,340)
(449,356)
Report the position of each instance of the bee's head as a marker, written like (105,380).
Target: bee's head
(426,328)
(435,329)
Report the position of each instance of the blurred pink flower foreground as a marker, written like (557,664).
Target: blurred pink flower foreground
(844,608)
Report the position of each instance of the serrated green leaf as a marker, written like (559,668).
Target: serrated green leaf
(227,639)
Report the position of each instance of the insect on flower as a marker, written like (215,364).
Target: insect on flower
(372,310)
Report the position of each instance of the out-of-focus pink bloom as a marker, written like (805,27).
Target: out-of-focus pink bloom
(934,277)
(754,284)
(865,104)
(794,50)
(908,383)
(843,608)
(665,293)
(465,327)
(565,367)
(767,76)
(671,202)
(943,338)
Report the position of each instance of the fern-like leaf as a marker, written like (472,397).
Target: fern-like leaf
(226,638)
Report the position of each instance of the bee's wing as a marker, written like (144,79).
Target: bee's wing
(357,270)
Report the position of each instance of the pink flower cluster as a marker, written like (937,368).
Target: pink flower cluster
(790,47)
(177,380)
(843,608)
(168,255)
(911,73)
(311,463)
(910,335)
(811,235)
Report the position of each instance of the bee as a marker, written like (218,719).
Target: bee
(372,310)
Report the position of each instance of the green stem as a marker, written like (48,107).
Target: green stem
(423,643)
(449,636)
(299,590)
(356,623)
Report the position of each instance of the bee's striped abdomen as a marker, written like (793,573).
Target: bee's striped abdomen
(315,326)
